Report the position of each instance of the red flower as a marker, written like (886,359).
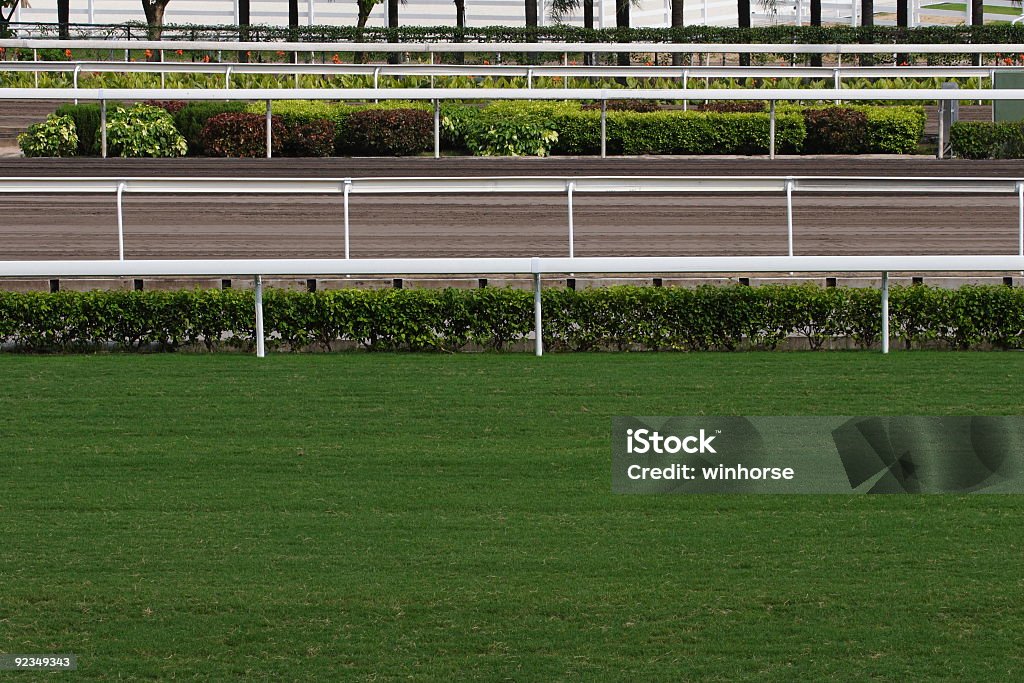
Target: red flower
(149,54)
(336,59)
(206,58)
(179,52)
(67,53)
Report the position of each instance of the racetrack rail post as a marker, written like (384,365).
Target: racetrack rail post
(885,311)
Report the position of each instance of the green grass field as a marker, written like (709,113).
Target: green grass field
(432,517)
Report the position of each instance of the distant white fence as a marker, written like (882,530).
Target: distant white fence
(649,13)
(257,268)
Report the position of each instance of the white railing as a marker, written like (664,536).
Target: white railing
(437,95)
(529,185)
(839,49)
(684,74)
(536,266)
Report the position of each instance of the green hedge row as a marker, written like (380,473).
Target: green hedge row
(524,129)
(990,33)
(987,140)
(624,318)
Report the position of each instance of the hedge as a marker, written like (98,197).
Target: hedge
(987,140)
(885,36)
(624,318)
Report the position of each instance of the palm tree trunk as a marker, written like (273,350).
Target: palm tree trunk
(816,21)
(460,24)
(867,19)
(743,17)
(588,23)
(622,21)
(243,27)
(678,21)
(393,57)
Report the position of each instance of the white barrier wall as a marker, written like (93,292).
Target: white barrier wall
(649,13)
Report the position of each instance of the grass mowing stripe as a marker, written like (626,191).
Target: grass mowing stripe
(437,517)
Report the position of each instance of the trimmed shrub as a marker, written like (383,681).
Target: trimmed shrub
(986,140)
(732,107)
(241,134)
(678,132)
(87,125)
(169,106)
(517,128)
(310,139)
(894,129)
(624,318)
(642,106)
(835,130)
(143,131)
(54,137)
(390,132)
(191,119)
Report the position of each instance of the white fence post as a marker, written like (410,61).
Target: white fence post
(346,191)
(260,350)
(538,346)
(120,221)
(789,214)
(604,128)
(1020,219)
(103,128)
(885,312)
(270,134)
(569,187)
(437,129)
(771,130)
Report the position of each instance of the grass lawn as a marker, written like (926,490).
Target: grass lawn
(430,517)
(961,7)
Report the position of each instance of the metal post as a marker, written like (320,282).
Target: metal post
(260,351)
(569,187)
(771,130)
(885,312)
(538,345)
(836,83)
(437,129)
(941,108)
(227,77)
(35,58)
(376,80)
(789,214)
(269,131)
(348,188)
(686,78)
(120,221)
(74,79)
(103,128)
(529,78)
(604,128)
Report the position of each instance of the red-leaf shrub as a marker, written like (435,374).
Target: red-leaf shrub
(310,139)
(170,106)
(390,132)
(240,134)
(835,130)
(732,107)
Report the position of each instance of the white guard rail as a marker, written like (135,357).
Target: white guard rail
(257,268)
(508,48)
(437,95)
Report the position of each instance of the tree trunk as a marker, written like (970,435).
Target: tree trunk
(531,13)
(816,21)
(678,21)
(293,13)
(64,18)
(154,10)
(903,21)
(365,7)
(460,24)
(867,19)
(393,57)
(243,27)
(743,17)
(588,23)
(977,13)
(622,21)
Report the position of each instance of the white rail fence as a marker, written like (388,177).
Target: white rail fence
(432,71)
(257,268)
(437,95)
(838,49)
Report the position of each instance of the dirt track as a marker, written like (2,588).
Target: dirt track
(63,226)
